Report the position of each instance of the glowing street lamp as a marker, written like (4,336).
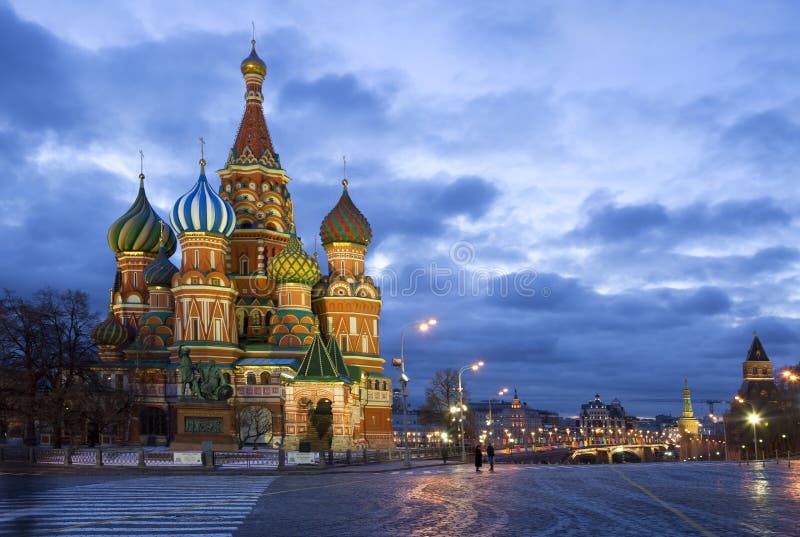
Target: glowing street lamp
(422,326)
(755,420)
(490,421)
(475,366)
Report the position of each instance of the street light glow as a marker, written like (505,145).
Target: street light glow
(753,418)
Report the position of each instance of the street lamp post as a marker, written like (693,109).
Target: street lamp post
(490,421)
(474,367)
(423,326)
(755,420)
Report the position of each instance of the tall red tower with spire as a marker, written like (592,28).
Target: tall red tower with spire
(254,183)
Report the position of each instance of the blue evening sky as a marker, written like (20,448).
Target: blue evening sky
(590,196)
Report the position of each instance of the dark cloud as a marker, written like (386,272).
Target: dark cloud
(657,224)
(768,136)
(37,76)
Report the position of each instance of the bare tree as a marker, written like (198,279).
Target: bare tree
(45,346)
(440,395)
(253,422)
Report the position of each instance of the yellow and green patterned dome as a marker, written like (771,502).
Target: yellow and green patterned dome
(139,229)
(293,265)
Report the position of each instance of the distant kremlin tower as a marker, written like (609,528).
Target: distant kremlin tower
(300,345)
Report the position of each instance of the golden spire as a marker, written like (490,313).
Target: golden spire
(344,172)
(202,156)
(141,165)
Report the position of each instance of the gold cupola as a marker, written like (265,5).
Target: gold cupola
(253,64)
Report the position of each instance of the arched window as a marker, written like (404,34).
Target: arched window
(152,421)
(251,378)
(244,265)
(755,370)
(264,378)
(256,318)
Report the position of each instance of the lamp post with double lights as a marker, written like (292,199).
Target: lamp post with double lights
(490,421)
(422,326)
(477,365)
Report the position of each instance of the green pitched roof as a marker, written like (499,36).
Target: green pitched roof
(336,355)
(317,362)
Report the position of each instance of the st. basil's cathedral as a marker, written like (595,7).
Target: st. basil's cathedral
(250,301)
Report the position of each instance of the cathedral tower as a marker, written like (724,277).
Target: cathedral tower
(346,300)
(255,185)
(135,238)
(204,295)
(294,272)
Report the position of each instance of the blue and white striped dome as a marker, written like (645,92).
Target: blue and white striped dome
(202,210)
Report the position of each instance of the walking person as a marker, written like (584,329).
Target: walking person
(490,456)
(444,453)
(478,458)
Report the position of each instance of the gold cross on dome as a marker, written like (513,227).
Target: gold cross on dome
(202,148)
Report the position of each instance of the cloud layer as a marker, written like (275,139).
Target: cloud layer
(590,199)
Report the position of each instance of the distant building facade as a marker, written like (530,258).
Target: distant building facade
(599,422)
(759,399)
(512,422)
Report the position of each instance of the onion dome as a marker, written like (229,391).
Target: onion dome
(345,223)
(138,230)
(293,265)
(160,270)
(202,210)
(110,333)
(253,64)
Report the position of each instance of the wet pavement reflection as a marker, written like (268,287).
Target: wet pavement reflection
(669,499)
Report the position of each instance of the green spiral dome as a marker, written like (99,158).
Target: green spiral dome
(139,229)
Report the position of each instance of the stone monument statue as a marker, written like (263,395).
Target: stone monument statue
(203,383)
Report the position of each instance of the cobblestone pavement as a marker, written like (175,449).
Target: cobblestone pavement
(670,499)
(665,500)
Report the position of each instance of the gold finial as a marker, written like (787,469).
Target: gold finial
(253,40)
(755,334)
(110,300)
(344,171)
(141,165)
